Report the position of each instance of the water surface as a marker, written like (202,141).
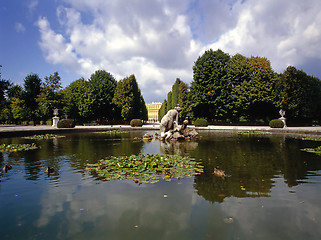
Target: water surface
(272,190)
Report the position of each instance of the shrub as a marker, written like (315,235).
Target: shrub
(201,122)
(136,123)
(66,123)
(276,123)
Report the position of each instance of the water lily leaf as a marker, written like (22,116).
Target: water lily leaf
(146,168)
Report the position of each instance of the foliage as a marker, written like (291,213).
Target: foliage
(201,122)
(175,93)
(146,168)
(44,136)
(129,99)
(301,95)
(254,95)
(18,109)
(169,101)
(66,123)
(79,100)
(210,89)
(103,86)
(162,111)
(32,87)
(276,123)
(17,147)
(136,123)
(178,95)
(50,96)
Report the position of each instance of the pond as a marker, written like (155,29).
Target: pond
(271,190)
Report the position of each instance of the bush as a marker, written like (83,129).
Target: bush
(201,122)
(66,123)
(136,123)
(276,123)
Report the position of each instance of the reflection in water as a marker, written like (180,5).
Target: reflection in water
(267,193)
(177,147)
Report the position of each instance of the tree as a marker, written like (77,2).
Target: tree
(103,86)
(15,103)
(210,89)
(238,70)
(175,93)
(18,109)
(169,101)
(79,100)
(50,96)
(301,95)
(129,99)
(184,101)
(253,83)
(4,85)
(162,111)
(32,86)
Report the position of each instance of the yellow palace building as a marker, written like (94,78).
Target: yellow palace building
(152,109)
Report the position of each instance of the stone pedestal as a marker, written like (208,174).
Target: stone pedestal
(55,121)
(283,120)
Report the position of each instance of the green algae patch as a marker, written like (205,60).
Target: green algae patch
(43,136)
(146,168)
(312,138)
(113,132)
(17,147)
(251,132)
(316,150)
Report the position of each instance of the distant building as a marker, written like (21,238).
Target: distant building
(152,109)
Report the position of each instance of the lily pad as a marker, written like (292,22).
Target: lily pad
(146,168)
(17,147)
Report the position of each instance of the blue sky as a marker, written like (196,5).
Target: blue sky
(157,40)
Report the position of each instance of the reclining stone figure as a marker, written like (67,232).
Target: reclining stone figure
(169,122)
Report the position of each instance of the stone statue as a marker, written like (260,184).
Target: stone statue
(169,122)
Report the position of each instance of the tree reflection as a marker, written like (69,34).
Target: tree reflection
(251,164)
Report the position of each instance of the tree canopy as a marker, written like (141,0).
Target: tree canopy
(129,99)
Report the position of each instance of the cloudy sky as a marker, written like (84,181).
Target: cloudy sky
(157,40)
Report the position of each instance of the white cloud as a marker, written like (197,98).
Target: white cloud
(159,41)
(148,39)
(285,32)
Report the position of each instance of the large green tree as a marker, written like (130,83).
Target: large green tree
(32,87)
(301,95)
(210,88)
(50,96)
(253,84)
(129,99)
(103,86)
(79,100)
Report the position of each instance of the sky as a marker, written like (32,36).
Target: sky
(156,40)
